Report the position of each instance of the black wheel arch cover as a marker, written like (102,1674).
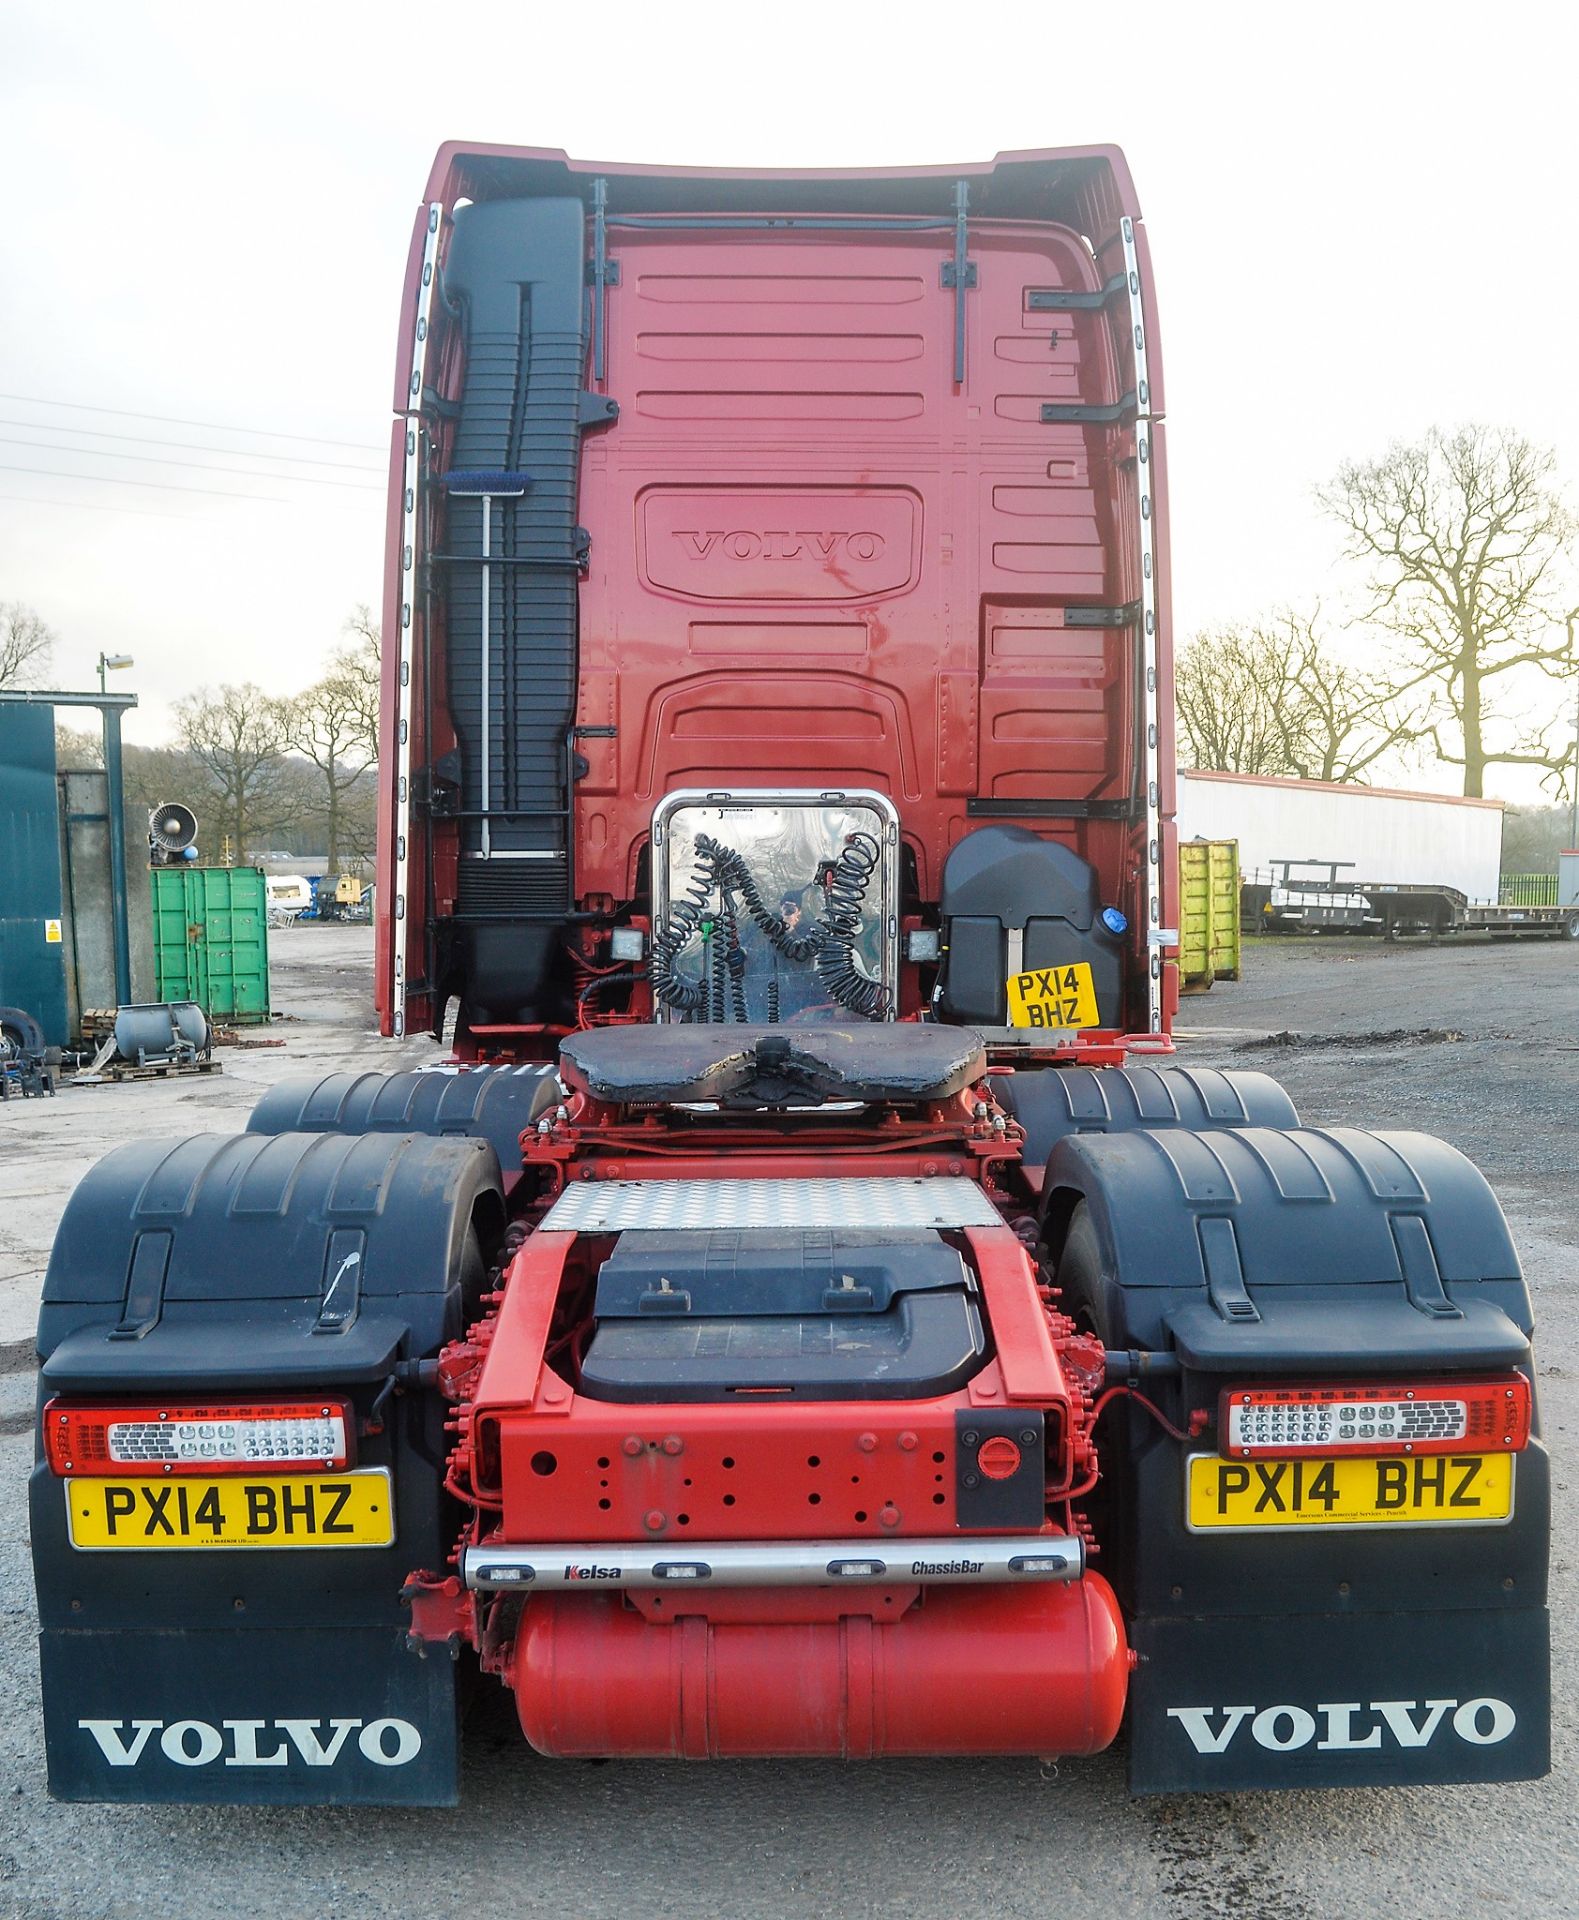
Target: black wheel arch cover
(492,1103)
(243,1231)
(1277,1248)
(1056,1103)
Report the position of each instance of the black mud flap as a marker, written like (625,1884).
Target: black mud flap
(270,1668)
(321,1717)
(1340,1700)
(1289,1652)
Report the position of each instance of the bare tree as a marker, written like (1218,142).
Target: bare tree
(157,775)
(1464,536)
(1532,838)
(26,644)
(1272,698)
(1337,719)
(328,725)
(76,748)
(1228,685)
(361,663)
(237,736)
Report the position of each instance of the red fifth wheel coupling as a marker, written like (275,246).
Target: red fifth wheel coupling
(963,1670)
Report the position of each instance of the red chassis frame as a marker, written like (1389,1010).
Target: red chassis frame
(857,1670)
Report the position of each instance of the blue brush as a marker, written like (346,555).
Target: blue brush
(474,482)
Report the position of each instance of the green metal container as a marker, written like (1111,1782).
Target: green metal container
(1208,912)
(32,952)
(211,940)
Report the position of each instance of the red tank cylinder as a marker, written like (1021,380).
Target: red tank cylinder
(968,1670)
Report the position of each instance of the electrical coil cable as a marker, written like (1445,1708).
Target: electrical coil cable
(844,886)
(685,916)
(718,993)
(713,973)
(733,958)
(731,875)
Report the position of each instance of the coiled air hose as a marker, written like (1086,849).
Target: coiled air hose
(844,886)
(719,993)
(685,916)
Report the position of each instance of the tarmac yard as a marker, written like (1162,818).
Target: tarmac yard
(1476,1043)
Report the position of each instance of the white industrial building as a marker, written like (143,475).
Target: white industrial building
(1380,833)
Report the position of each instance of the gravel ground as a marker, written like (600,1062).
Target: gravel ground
(922,1839)
(1478,1043)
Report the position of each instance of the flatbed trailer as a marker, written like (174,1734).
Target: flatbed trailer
(1438,911)
(810,1313)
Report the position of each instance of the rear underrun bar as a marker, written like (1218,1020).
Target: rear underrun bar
(760,223)
(954,1560)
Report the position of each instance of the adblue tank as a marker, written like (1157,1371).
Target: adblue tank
(1011,902)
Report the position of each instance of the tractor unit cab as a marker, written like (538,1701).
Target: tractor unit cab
(807,1313)
(779,622)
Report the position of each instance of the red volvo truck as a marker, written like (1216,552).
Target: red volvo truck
(809,1313)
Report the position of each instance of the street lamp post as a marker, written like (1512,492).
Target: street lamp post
(114,782)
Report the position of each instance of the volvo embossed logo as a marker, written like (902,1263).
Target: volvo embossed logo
(255,1743)
(776,543)
(804,543)
(1348,1726)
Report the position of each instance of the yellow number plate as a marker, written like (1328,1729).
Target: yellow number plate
(233,1510)
(1053,997)
(1239,1496)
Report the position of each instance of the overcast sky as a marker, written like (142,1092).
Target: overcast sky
(1361,218)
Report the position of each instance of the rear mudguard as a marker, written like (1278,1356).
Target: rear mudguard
(492,1103)
(1055,1103)
(267,1266)
(1383,1654)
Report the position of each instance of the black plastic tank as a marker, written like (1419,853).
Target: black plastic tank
(1004,881)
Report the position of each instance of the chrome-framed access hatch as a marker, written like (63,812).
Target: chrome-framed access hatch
(775,905)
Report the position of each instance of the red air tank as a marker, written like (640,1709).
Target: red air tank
(967,1670)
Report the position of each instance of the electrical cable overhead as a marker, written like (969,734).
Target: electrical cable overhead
(92,506)
(213,426)
(187,446)
(158,486)
(199,466)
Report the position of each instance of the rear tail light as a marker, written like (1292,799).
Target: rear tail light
(308,1435)
(1440,1416)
